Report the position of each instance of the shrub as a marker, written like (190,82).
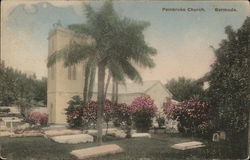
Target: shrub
(193,115)
(74,113)
(161,121)
(108,114)
(79,116)
(172,109)
(90,112)
(38,118)
(143,109)
(123,117)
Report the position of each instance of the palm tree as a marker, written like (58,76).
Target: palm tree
(117,44)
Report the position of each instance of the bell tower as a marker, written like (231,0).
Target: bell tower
(63,82)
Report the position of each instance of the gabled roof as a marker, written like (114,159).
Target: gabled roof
(130,88)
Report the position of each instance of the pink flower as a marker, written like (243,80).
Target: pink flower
(38,118)
(143,104)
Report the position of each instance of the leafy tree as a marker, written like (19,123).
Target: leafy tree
(229,89)
(20,89)
(117,44)
(40,90)
(183,88)
(194,116)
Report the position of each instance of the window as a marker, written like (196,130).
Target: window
(72,72)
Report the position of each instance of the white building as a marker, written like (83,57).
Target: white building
(64,83)
(127,93)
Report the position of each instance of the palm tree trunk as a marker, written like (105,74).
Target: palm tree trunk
(107,85)
(100,100)
(113,92)
(86,84)
(116,92)
(91,82)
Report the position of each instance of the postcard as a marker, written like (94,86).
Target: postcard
(110,80)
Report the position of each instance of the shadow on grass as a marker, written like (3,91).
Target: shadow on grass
(157,147)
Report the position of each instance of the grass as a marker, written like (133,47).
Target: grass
(157,147)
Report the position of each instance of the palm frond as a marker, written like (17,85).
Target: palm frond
(72,54)
(77,53)
(116,70)
(80,29)
(131,71)
(144,61)
(55,56)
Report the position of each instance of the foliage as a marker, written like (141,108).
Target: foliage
(90,111)
(123,117)
(74,113)
(161,121)
(15,85)
(193,115)
(81,116)
(40,88)
(108,113)
(38,118)
(230,77)
(183,88)
(229,89)
(143,109)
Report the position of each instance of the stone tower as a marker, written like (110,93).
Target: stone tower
(63,82)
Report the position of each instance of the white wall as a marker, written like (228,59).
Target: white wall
(159,94)
(122,98)
(61,89)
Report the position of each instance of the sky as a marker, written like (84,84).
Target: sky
(182,39)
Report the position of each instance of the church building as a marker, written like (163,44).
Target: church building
(66,82)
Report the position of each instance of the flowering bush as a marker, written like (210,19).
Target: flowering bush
(172,109)
(79,116)
(193,115)
(143,110)
(90,112)
(108,111)
(38,118)
(123,117)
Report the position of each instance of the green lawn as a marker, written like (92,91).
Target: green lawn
(158,147)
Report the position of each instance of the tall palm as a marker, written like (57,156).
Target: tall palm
(118,43)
